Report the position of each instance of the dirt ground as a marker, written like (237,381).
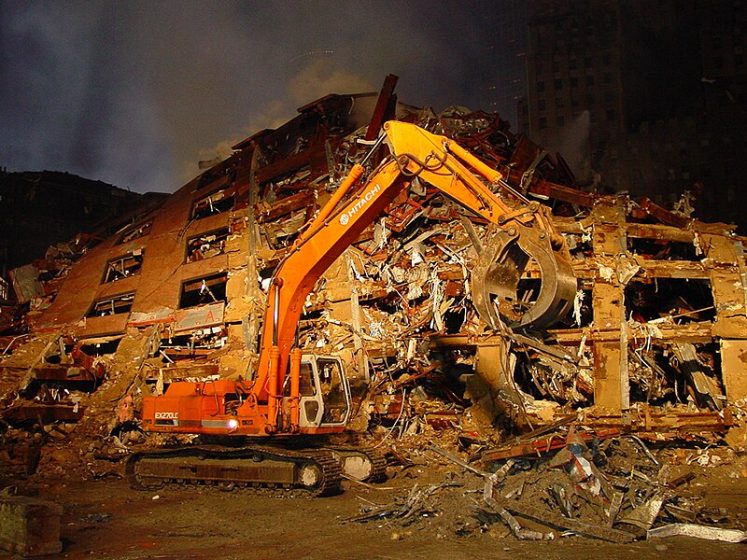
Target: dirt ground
(106,519)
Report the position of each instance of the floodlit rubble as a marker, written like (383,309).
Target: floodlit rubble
(594,484)
(555,426)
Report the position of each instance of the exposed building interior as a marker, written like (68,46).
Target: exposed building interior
(410,325)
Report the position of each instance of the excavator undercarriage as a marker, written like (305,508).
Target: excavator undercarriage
(318,470)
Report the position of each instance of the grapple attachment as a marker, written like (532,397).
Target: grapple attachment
(503,257)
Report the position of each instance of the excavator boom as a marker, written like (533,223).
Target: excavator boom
(272,402)
(519,231)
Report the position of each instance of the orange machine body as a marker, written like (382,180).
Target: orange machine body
(285,395)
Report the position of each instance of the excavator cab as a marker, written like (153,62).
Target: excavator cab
(324,393)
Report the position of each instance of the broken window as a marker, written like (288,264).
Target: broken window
(541,373)
(195,344)
(282,233)
(123,266)
(112,305)
(214,203)
(201,291)
(663,250)
(135,232)
(100,347)
(676,372)
(679,300)
(60,352)
(206,245)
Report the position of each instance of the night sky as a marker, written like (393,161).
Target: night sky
(135,93)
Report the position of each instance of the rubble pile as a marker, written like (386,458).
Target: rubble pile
(653,347)
(612,488)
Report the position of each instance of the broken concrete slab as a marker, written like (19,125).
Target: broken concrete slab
(697,532)
(29,526)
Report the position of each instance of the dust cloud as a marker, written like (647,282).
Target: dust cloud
(136,93)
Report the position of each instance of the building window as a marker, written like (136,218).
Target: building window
(123,266)
(135,232)
(590,80)
(3,290)
(543,122)
(560,120)
(540,86)
(541,105)
(213,203)
(607,78)
(206,245)
(201,291)
(610,114)
(574,82)
(114,305)
(606,59)
(558,84)
(559,102)
(587,62)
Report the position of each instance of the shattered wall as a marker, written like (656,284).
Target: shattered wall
(655,343)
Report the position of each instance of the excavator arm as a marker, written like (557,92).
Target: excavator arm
(520,233)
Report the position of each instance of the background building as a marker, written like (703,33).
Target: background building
(648,97)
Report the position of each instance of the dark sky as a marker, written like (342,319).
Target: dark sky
(135,93)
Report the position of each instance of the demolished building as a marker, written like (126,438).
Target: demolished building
(655,343)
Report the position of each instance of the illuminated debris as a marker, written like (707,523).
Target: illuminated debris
(654,342)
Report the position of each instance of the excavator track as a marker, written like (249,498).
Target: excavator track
(360,462)
(317,472)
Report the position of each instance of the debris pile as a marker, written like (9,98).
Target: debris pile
(654,345)
(599,486)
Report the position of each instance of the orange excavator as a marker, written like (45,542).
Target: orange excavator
(294,399)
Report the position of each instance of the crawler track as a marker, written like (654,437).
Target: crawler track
(363,463)
(315,471)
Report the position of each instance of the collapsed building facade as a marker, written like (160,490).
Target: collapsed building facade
(655,343)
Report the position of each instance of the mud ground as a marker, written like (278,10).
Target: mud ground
(106,519)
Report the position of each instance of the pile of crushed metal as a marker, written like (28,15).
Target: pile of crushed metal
(577,482)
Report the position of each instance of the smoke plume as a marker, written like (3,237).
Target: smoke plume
(136,93)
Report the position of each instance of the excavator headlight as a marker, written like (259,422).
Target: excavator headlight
(232,424)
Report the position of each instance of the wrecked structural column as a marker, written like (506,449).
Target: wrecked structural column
(725,259)
(256,298)
(360,355)
(241,289)
(124,378)
(609,335)
(495,366)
